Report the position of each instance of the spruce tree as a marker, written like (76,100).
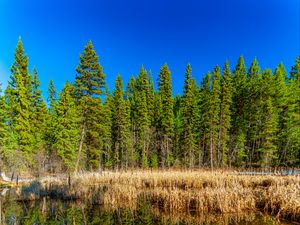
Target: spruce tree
(152,151)
(254,108)
(268,132)
(225,115)
(19,94)
(39,112)
(89,86)
(188,135)
(67,132)
(131,95)
(142,119)
(214,113)
(167,122)
(205,137)
(121,126)
(239,122)
(51,124)
(280,105)
(196,118)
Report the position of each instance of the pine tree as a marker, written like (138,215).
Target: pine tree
(253,107)
(142,119)
(19,94)
(205,136)
(20,66)
(214,113)
(268,149)
(196,119)
(130,96)
(39,112)
(152,151)
(89,86)
(67,133)
(157,156)
(121,126)
(188,139)
(225,115)
(165,91)
(280,105)
(51,124)
(239,122)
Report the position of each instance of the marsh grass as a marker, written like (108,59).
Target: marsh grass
(173,192)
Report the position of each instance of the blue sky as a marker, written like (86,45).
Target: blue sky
(127,34)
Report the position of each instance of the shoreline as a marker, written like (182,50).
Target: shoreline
(173,191)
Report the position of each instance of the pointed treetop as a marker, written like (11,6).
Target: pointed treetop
(206,82)
(216,69)
(20,64)
(119,82)
(226,68)
(254,70)
(188,72)
(90,79)
(164,74)
(241,64)
(35,77)
(52,94)
(280,71)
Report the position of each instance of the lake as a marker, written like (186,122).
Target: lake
(48,211)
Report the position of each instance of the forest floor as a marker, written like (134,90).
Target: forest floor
(174,191)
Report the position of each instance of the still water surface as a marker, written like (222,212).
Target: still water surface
(49,211)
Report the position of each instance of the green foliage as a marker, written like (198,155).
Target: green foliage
(240,118)
(67,131)
(142,119)
(89,86)
(205,121)
(188,120)
(121,126)
(239,122)
(215,120)
(225,114)
(18,97)
(38,113)
(269,121)
(167,121)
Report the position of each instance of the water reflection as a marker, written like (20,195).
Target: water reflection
(49,211)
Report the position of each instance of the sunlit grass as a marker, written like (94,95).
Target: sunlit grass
(173,191)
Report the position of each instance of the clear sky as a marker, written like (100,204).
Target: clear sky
(129,33)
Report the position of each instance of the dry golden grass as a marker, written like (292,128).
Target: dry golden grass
(172,191)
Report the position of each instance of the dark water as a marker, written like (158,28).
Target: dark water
(49,211)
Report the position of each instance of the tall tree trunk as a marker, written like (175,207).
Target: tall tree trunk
(80,148)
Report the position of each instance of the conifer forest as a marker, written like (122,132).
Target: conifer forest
(237,116)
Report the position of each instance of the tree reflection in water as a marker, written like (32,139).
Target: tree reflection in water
(49,211)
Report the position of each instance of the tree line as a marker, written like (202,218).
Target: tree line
(240,117)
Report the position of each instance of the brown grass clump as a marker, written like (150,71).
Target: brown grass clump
(197,192)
